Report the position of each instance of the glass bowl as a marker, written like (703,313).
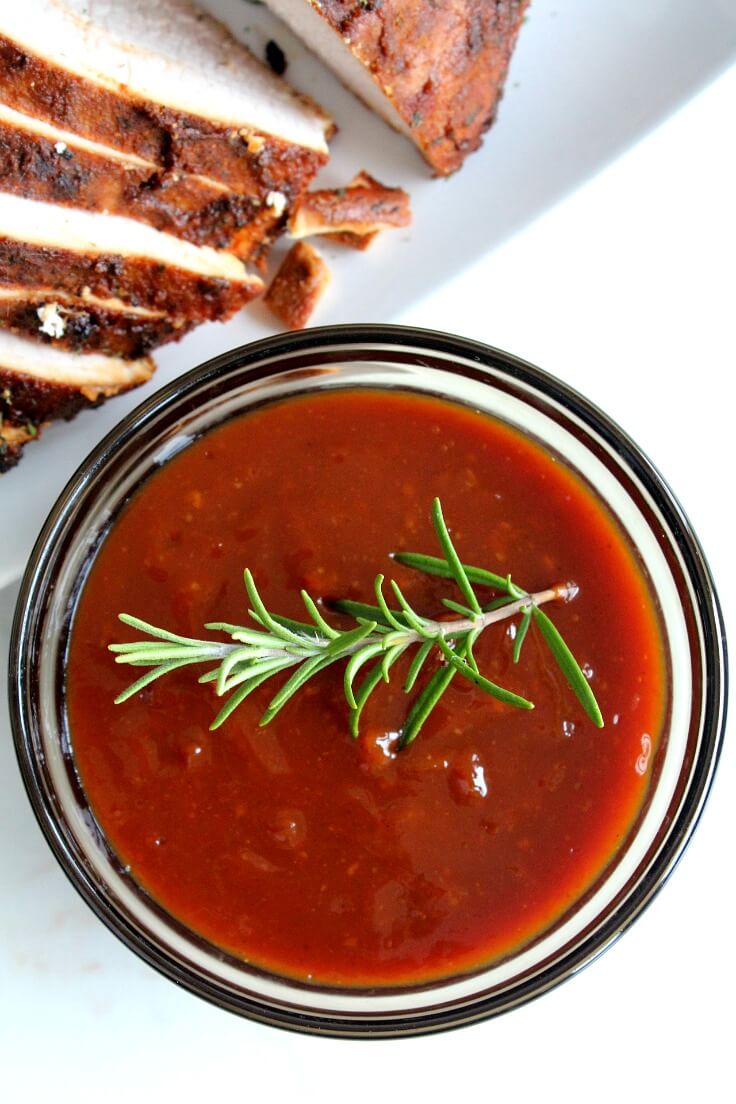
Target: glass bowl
(486,380)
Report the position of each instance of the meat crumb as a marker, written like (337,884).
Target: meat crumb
(351,215)
(297,286)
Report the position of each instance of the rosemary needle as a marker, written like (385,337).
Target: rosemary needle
(379,637)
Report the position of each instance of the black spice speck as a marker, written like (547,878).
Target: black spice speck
(275,57)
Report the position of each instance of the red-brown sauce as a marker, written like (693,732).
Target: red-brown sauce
(293,846)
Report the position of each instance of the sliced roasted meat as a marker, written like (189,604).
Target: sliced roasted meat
(87,324)
(434,71)
(42,245)
(163,81)
(298,285)
(44,162)
(38,384)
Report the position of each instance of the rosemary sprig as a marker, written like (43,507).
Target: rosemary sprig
(381,635)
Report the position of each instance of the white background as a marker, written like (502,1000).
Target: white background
(626,291)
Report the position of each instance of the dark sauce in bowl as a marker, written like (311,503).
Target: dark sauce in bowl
(292,846)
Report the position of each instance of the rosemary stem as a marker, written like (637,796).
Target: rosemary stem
(481,621)
(446,629)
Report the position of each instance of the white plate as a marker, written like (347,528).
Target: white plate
(587,81)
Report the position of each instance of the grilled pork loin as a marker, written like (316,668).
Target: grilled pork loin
(38,383)
(85,323)
(44,162)
(112,257)
(163,81)
(434,71)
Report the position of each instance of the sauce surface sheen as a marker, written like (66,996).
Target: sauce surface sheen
(293,846)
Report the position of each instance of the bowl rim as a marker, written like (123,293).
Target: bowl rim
(714,692)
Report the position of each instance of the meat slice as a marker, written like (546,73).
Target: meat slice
(361,209)
(13,438)
(38,384)
(87,324)
(298,285)
(163,81)
(112,257)
(47,163)
(434,71)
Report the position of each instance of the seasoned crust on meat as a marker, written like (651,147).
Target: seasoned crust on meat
(32,400)
(139,280)
(87,324)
